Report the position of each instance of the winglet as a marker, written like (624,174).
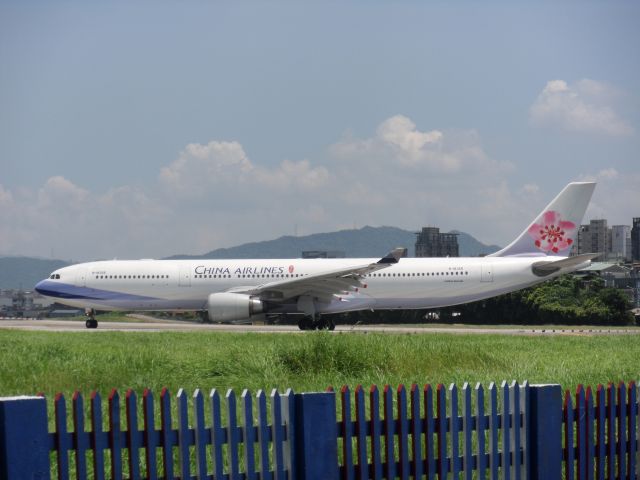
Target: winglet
(394,255)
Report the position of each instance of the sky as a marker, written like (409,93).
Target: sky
(147,129)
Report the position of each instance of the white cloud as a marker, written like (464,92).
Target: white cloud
(224,167)
(616,197)
(213,195)
(399,144)
(200,167)
(582,107)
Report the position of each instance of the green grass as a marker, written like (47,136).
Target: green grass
(65,361)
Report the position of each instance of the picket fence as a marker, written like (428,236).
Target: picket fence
(509,431)
(601,434)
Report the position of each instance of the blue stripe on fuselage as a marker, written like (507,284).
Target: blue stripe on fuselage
(64,290)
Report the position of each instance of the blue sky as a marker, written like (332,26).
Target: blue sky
(151,129)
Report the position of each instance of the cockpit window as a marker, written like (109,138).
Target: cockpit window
(55,276)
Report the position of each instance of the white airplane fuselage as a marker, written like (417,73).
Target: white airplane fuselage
(177,285)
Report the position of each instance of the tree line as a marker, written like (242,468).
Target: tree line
(566,300)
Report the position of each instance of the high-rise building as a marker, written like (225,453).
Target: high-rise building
(432,243)
(582,242)
(599,234)
(593,238)
(635,240)
(620,241)
(323,254)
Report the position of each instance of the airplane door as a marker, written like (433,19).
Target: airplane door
(184,278)
(486,272)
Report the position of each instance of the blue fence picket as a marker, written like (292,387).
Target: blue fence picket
(429,427)
(389,432)
(183,435)
(467,429)
(494,450)
(622,427)
(232,436)
(441,405)
(632,409)
(346,432)
(277,436)
(506,432)
(590,448)
(289,420)
(362,472)
(581,437)
(601,422)
(514,406)
(200,434)
(416,433)
(167,437)
(218,437)
(480,432)
(115,439)
(376,451)
(132,434)
(150,435)
(402,433)
(454,431)
(263,435)
(248,436)
(525,415)
(79,439)
(97,438)
(611,434)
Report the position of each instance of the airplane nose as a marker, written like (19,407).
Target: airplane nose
(39,286)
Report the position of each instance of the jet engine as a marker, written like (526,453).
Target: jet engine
(229,307)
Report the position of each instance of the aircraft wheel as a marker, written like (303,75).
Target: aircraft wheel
(91,323)
(331,325)
(305,324)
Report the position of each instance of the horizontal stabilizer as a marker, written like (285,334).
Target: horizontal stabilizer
(544,268)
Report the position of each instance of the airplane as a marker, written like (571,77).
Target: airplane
(237,290)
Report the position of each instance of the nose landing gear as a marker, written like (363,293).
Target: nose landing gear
(91,318)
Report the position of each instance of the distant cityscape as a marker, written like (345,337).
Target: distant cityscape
(619,243)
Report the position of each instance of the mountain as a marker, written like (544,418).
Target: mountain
(469,246)
(365,242)
(25,272)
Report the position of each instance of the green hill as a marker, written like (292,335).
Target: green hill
(25,272)
(365,242)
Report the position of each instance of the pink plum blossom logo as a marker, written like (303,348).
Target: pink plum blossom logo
(552,234)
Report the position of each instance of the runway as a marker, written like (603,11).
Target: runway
(169,326)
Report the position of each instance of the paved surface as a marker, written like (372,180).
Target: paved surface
(164,326)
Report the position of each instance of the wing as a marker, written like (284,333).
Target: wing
(322,285)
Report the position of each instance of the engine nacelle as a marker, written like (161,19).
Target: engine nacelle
(229,307)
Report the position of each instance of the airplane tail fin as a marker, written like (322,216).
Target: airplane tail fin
(554,230)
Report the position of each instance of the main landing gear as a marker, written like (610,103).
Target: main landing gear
(316,322)
(91,318)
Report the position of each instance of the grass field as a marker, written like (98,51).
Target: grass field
(31,362)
